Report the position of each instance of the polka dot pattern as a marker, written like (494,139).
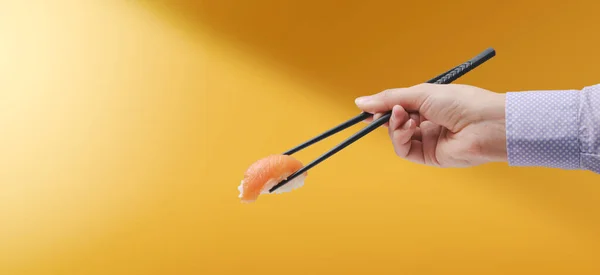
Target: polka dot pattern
(559,129)
(542,129)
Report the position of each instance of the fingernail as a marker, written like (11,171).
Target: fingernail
(361,100)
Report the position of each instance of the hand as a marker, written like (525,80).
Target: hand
(443,125)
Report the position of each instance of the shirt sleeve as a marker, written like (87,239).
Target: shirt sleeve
(556,128)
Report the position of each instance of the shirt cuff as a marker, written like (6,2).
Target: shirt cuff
(542,129)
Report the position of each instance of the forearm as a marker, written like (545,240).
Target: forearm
(559,129)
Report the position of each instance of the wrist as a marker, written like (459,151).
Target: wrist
(497,151)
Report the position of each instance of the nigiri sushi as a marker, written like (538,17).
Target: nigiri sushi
(266,173)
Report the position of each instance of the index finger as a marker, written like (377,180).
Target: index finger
(410,99)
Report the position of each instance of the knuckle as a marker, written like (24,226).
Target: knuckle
(423,85)
(427,87)
(428,104)
(387,98)
(387,94)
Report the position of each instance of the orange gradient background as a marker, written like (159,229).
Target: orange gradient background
(126,126)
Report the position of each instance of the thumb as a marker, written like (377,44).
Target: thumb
(411,99)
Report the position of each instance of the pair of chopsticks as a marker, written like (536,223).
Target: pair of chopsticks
(445,78)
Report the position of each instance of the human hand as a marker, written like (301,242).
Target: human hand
(448,125)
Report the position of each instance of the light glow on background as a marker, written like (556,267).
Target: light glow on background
(126,126)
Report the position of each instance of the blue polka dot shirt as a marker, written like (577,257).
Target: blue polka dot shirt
(559,129)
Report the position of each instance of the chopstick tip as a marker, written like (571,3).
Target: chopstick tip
(281,183)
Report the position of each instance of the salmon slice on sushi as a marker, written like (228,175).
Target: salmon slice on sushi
(266,173)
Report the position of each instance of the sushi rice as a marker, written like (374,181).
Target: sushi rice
(288,187)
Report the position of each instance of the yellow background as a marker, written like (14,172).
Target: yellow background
(126,126)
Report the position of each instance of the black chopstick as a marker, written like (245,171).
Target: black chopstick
(445,78)
(360,117)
